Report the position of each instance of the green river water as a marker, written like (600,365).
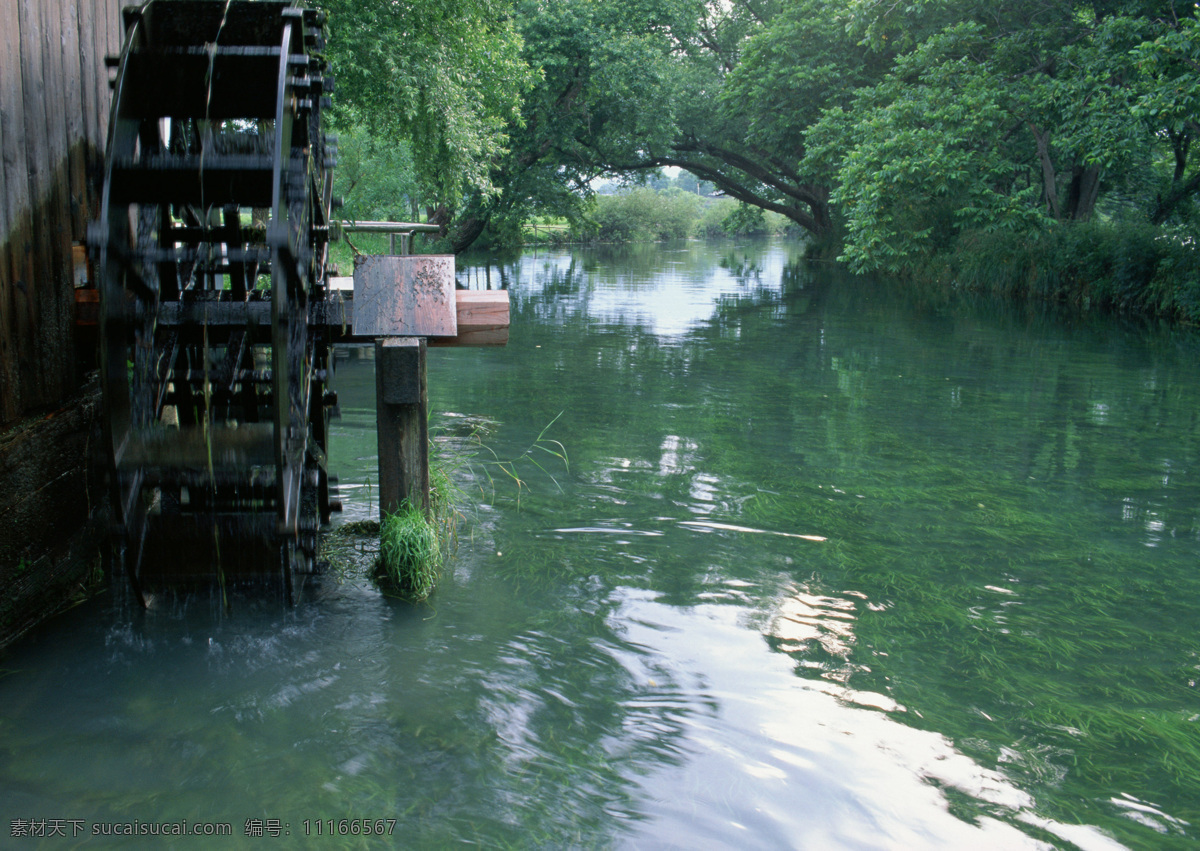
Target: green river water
(825,566)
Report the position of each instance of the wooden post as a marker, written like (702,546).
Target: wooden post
(402,423)
(403,301)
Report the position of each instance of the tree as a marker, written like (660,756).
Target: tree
(898,126)
(601,93)
(1169,103)
(628,88)
(1011,117)
(746,78)
(446,76)
(915,123)
(376,177)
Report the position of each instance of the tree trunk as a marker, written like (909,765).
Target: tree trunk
(466,231)
(822,218)
(1082,193)
(1049,178)
(1165,206)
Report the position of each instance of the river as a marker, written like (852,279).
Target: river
(751,555)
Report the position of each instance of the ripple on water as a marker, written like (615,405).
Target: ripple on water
(770,760)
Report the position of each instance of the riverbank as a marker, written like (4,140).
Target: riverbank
(1129,268)
(1125,268)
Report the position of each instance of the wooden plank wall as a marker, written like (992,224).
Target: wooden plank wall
(54,100)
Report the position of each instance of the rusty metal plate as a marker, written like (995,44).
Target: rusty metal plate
(404,296)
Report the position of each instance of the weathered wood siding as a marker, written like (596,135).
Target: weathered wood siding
(54,100)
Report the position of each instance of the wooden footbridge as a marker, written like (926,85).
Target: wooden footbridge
(215,305)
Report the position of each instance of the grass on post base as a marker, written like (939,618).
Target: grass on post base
(413,546)
(410,554)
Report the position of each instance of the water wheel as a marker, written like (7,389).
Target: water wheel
(211,245)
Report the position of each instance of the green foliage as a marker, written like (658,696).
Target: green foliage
(683,181)
(918,123)
(646,215)
(414,545)
(984,121)
(712,217)
(1128,267)
(1169,57)
(745,220)
(552,232)
(801,62)
(905,131)
(603,91)
(405,553)
(444,75)
(643,215)
(376,176)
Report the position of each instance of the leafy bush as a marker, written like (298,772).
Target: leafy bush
(649,215)
(745,220)
(542,235)
(644,215)
(1119,266)
(712,218)
(376,176)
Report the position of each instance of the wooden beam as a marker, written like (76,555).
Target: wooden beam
(56,361)
(390,227)
(221,448)
(483,319)
(402,423)
(32,326)
(482,316)
(87,307)
(14,203)
(74,175)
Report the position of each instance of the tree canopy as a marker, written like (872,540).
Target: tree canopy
(1011,117)
(444,77)
(885,129)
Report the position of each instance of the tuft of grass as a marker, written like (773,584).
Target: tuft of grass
(509,468)
(413,545)
(410,554)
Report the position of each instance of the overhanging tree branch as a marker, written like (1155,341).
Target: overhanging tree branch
(804,193)
(731,187)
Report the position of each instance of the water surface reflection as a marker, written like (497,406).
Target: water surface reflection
(825,568)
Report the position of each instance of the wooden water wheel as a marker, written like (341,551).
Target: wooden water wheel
(211,246)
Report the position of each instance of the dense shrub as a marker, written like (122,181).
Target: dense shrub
(1127,267)
(547,235)
(746,220)
(376,176)
(644,215)
(648,215)
(712,218)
